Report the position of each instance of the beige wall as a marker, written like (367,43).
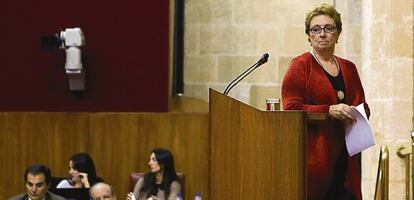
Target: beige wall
(224,37)
(387,73)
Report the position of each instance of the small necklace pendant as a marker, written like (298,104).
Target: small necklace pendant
(341,95)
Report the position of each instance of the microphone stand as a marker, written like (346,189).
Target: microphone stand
(240,77)
(243,75)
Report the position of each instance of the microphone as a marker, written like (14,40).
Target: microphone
(243,75)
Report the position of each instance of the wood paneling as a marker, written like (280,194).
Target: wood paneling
(28,138)
(119,143)
(256,154)
(186,135)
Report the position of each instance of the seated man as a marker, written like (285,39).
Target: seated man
(102,191)
(37,179)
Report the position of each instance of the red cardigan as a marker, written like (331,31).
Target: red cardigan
(306,87)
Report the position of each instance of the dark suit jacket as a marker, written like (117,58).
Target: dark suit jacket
(49,196)
(306,87)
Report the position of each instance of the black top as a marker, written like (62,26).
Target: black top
(337,83)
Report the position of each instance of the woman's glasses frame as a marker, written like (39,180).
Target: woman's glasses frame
(327,29)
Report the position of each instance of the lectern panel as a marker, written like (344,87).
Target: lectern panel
(256,154)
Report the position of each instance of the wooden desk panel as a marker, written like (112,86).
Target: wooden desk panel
(256,154)
(118,142)
(29,138)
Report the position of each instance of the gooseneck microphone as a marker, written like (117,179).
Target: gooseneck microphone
(243,75)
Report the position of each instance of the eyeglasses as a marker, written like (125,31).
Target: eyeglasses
(326,29)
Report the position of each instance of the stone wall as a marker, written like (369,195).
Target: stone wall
(225,37)
(387,73)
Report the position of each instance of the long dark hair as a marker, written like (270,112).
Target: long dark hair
(84,163)
(166,161)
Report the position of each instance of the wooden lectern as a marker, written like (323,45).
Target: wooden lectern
(256,154)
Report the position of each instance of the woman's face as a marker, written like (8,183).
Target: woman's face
(323,33)
(153,164)
(73,173)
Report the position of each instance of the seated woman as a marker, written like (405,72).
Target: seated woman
(161,182)
(82,172)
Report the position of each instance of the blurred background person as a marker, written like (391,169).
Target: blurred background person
(320,82)
(37,179)
(161,181)
(102,191)
(82,173)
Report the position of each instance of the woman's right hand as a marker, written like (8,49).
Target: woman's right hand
(131,196)
(341,112)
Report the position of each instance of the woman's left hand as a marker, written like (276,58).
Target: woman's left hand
(341,112)
(84,179)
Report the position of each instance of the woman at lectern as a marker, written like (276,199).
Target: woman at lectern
(161,182)
(318,81)
(82,173)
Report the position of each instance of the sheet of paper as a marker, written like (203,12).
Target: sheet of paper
(358,135)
